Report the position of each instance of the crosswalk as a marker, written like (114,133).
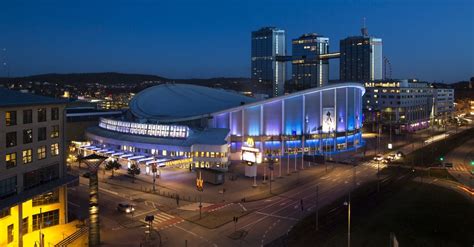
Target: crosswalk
(163,220)
(374,165)
(459,168)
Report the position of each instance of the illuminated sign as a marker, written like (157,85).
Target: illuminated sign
(158,130)
(251,155)
(329,120)
(250,142)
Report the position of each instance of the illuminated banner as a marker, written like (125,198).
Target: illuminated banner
(158,130)
(251,155)
(329,120)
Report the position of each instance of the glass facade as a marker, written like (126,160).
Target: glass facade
(267,44)
(329,115)
(308,70)
(361,59)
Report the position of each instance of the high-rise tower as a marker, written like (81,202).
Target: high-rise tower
(361,58)
(267,44)
(308,70)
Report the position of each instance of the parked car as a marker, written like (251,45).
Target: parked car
(125,208)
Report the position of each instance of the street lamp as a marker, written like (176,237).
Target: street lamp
(93,162)
(348,204)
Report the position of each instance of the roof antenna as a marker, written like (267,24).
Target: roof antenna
(364,30)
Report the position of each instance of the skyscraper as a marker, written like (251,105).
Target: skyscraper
(308,70)
(361,58)
(267,44)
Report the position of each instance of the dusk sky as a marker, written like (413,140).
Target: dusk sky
(429,40)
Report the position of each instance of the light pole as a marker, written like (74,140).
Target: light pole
(93,162)
(288,160)
(317,207)
(153,170)
(348,204)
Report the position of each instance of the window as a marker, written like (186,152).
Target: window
(10,233)
(7,187)
(27,156)
(40,176)
(55,149)
(24,226)
(42,134)
(11,139)
(10,118)
(54,113)
(46,219)
(42,115)
(42,152)
(46,198)
(10,160)
(55,131)
(27,116)
(27,136)
(5,212)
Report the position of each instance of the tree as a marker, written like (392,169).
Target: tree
(112,166)
(133,171)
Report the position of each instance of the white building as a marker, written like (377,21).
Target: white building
(406,105)
(444,103)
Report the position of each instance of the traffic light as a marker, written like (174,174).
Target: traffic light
(472,162)
(441,158)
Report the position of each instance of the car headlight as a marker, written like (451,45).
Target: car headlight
(127,210)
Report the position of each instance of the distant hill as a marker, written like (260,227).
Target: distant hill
(118,78)
(462,89)
(82,78)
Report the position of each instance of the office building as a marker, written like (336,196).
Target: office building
(444,103)
(361,58)
(307,69)
(267,44)
(404,105)
(33,178)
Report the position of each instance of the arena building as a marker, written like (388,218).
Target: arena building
(198,127)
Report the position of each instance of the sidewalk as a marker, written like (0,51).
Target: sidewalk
(181,182)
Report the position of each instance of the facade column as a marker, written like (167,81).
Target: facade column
(336,118)
(20,224)
(303,131)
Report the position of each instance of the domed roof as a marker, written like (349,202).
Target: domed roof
(178,101)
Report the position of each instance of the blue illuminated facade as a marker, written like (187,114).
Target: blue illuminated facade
(209,126)
(296,122)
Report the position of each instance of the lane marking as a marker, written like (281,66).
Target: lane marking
(109,191)
(278,216)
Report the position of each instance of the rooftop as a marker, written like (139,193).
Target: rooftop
(15,98)
(181,101)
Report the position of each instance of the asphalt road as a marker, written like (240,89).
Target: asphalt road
(273,217)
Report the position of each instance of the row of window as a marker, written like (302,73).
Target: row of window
(11,137)
(8,186)
(175,153)
(27,155)
(40,221)
(11,116)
